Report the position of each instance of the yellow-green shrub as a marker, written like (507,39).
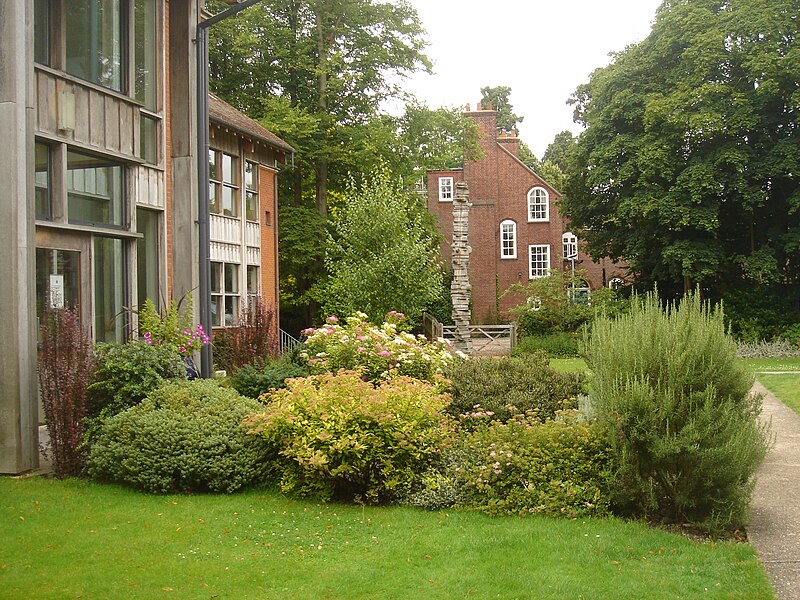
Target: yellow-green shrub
(338,436)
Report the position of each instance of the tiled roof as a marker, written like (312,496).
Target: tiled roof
(222,112)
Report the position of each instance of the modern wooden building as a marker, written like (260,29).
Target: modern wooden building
(99,187)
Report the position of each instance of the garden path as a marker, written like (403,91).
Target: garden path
(775,523)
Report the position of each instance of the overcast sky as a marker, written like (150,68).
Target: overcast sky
(542,50)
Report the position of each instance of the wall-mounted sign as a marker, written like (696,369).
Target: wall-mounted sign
(56,291)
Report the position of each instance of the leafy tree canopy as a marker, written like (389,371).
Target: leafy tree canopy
(688,167)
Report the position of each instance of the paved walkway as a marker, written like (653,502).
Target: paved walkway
(775,523)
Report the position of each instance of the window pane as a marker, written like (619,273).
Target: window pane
(144,49)
(252,280)
(94,41)
(148,139)
(94,190)
(231,279)
(213,201)
(216,311)
(213,165)
(231,310)
(216,280)
(42,180)
(229,169)
(41,31)
(251,176)
(230,204)
(147,251)
(57,279)
(109,289)
(251,207)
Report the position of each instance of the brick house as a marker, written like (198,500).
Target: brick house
(516,232)
(98,105)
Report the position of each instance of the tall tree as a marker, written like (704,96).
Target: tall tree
(557,151)
(688,167)
(499,97)
(382,253)
(333,60)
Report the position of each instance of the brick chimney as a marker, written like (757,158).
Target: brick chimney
(509,140)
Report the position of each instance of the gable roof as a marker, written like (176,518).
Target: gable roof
(222,112)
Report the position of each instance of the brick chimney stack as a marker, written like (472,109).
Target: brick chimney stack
(509,140)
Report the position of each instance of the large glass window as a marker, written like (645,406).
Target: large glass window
(223,171)
(41,31)
(224,294)
(538,205)
(94,41)
(42,182)
(144,52)
(252,280)
(508,239)
(148,139)
(147,253)
(94,190)
(539,260)
(251,191)
(109,289)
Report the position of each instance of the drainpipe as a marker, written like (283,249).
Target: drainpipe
(206,356)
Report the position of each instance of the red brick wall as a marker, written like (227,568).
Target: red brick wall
(499,184)
(267,185)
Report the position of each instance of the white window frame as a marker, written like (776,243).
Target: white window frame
(535,262)
(538,205)
(569,243)
(508,243)
(445,189)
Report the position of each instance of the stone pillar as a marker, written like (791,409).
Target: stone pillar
(19,437)
(460,288)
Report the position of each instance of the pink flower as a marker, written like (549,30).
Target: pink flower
(181,349)
(332,319)
(384,353)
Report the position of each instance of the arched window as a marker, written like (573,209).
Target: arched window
(508,239)
(538,205)
(569,242)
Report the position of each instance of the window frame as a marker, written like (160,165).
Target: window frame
(121,209)
(222,294)
(446,189)
(508,251)
(537,273)
(220,184)
(251,192)
(538,197)
(569,240)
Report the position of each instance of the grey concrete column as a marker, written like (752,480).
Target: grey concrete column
(182,99)
(18,389)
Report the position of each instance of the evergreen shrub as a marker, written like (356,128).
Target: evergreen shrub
(338,436)
(186,436)
(125,373)
(505,387)
(556,345)
(677,411)
(260,377)
(561,467)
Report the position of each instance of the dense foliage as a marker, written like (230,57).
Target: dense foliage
(65,364)
(382,254)
(254,336)
(561,468)
(338,436)
(501,388)
(379,353)
(125,374)
(185,436)
(688,165)
(678,413)
(261,376)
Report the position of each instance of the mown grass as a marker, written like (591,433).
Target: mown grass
(758,365)
(68,539)
(785,386)
(569,365)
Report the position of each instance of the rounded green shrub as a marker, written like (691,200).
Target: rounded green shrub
(499,388)
(561,468)
(125,373)
(338,436)
(258,378)
(185,436)
(678,413)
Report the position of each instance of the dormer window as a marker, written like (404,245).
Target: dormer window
(445,189)
(538,205)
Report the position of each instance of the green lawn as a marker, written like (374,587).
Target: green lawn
(68,539)
(771,364)
(570,365)
(786,387)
